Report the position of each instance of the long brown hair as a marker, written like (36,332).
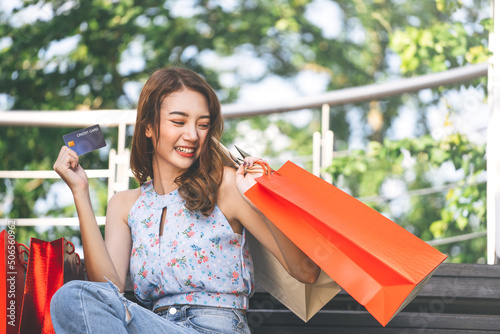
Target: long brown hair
(199,184)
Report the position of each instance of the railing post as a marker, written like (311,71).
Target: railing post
(112,173)
(121,172)
(493,143)
(326,142)
(323,146)
(317,153)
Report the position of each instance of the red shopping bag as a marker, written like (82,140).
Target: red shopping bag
(376,261)
(51,264)
(12,274)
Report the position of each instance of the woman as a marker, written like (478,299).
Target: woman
(181,234)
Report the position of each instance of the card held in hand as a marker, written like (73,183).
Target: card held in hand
(85,140)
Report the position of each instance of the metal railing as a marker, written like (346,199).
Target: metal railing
(118,170)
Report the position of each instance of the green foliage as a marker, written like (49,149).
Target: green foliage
(416,163)
(426,36)
(442,44)
(437,48)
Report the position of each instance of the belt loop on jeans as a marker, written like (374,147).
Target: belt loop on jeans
(241,322)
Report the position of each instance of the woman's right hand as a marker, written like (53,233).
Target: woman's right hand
(70,171)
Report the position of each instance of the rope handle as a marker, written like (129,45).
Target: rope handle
(72,250)
(24,254)
(267,169)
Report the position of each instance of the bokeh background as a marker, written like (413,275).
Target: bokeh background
(419,158)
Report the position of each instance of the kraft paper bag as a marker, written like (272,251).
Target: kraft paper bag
(379,263)
(305,300)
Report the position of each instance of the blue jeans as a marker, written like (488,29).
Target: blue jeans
(92,307)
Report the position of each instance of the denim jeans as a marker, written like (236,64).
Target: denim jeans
(92,307)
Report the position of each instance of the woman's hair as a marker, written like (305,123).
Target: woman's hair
(199,184)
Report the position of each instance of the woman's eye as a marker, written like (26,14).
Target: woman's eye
(205,126)
(177,123)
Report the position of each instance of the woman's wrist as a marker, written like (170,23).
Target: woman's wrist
(80,192)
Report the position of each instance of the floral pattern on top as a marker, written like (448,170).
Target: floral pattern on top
(196,260)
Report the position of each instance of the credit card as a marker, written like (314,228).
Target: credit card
(85,140)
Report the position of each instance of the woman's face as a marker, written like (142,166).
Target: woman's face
(184,125)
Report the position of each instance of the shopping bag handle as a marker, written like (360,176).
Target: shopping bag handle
(23,250)
(72,250)
(264,166)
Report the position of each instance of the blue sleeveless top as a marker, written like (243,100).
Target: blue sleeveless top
(198,260)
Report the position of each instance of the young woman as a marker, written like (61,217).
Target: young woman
(181,234)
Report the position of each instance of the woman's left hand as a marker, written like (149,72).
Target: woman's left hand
(246,175)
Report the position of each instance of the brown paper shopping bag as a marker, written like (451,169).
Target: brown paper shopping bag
(305,300)
(376,261)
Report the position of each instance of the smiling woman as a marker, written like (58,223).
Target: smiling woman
(179,108)
(181,235)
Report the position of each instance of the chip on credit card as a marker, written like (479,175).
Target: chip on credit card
(85,140)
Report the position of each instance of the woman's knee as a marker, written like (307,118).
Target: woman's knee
(65,296)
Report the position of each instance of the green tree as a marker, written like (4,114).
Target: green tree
(116,44)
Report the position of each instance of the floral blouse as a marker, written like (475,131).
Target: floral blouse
(197,260)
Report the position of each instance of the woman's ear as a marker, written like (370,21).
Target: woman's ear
(149,131)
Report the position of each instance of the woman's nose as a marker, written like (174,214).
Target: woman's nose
(190,133)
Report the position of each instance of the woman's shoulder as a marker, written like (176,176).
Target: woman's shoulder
(125,199)
(120,205)
(227,187)
(129,194)
(228,178)
(229,199)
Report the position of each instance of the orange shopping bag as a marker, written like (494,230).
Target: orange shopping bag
(376,261)
(12,273)
(51,264)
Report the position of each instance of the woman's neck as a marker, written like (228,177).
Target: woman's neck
(162,187)
(164,179)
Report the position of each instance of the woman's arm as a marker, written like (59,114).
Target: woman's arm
(295,262)
(118,239)
(99,264)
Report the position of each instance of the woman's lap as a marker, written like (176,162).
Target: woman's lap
(94,307)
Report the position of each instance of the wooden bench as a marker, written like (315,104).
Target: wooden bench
(459,298)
